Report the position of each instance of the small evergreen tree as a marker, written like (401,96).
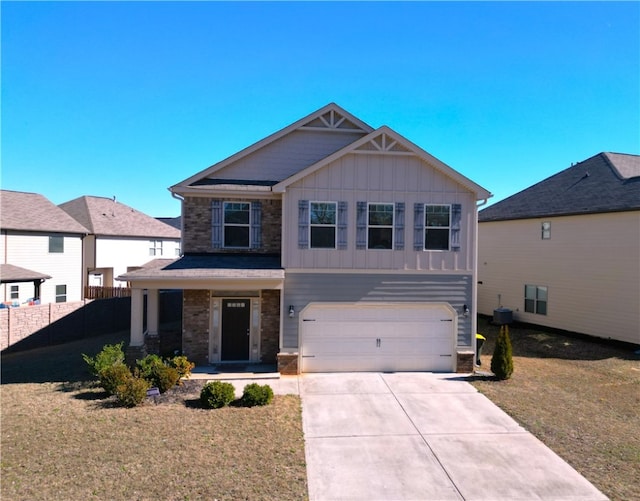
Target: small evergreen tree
(502,361)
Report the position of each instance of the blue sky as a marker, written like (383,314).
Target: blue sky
(126,99)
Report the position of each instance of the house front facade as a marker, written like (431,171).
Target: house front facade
(120,239)
(40,250)
(327,246)
(565,253)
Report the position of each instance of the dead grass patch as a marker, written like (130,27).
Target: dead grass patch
(579,396)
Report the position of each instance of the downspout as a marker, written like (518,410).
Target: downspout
(474,299)
(181,198)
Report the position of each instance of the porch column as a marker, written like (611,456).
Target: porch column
(137,306)
(152,312)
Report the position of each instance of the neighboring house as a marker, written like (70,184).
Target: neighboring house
(120,238)
(40,250)
(327,246)
(565,253)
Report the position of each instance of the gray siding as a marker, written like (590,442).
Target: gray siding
(303,288)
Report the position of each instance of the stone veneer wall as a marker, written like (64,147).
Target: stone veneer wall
(196,225)
(195,326)
(270,326)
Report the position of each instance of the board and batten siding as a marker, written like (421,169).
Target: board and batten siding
(31,251)
(378,178)
(590,264)
(287,155)
(301,289)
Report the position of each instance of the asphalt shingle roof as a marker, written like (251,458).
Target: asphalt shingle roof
(606,182)
(32,212)
(107,217)
(10,273)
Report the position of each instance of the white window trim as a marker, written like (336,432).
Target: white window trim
(334,225)
(156,248)
(235,225)
(391,227)
(448,228)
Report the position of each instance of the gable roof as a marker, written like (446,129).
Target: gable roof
(106,217)
(330,118)
(386,140)
(32,212)
(606,182)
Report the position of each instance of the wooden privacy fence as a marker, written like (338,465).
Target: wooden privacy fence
(98,292)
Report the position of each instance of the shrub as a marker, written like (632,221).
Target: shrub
(255,394)
(113,376)
(502,361)
(217,394)
(132,391)
(148,364)
(111,354)
(182,365)
(164,377)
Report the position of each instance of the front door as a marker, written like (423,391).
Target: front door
(235,329)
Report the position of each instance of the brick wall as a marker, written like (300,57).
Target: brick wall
(195,326)
(270,326)
(196,229)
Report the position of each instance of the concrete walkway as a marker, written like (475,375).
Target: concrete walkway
(419,436)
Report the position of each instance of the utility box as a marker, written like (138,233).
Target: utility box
(502,316)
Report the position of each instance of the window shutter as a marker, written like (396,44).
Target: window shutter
(303,224)
(418,227)
(361,226)
(398,237)
(256,225)
(456,217)
(216,224)
(342,225)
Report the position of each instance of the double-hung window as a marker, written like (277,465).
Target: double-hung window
(61,293)
(437,227)
(380,226)
(535,299)
(56,244)
(155,247)
(237,224)
(322,225)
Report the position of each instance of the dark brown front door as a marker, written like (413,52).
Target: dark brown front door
(235,329)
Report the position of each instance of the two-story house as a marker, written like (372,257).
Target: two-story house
(120,238)
(40,250)
(326,246)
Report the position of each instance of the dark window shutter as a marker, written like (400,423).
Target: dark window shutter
(361,225)
(398,237)
(456,218)
(342,225)
(216,224)
(418,227)
(256,225)
(303,224)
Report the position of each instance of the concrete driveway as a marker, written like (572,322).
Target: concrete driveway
(422,436)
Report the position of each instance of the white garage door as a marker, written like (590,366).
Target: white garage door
(359,337)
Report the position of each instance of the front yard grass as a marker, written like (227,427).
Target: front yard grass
(579,396)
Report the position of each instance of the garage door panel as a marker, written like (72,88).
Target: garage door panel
(377,337)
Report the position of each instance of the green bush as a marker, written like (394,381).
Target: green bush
(147,366)
(217,394)
(113,376)
(111,354)
(182,365)
(502,361)
(132,391)
(255,394)
(158,373)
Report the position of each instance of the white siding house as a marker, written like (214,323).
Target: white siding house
(120,238)
(565,253)
(327,246)
(41,239)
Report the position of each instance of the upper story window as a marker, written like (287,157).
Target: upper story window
(535,299)
(56,244)
(155,248)
(437,225)
(380,226)
(237,224)
(323,224)
(546,230)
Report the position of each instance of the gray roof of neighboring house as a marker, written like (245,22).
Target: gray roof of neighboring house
(10,273)
(176,222)
(606,182)
(107,217)
(32,212)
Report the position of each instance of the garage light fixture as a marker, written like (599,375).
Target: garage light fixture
(465,310)
(292,311)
